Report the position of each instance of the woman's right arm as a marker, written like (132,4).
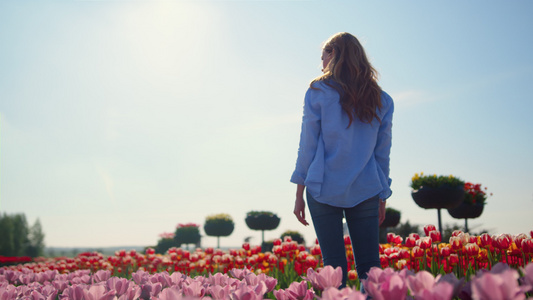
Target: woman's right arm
(299,204)
(308,136)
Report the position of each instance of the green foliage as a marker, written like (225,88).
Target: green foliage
(187,234)
(36,240)
(7,246)
(219,225)
(219,218)
(164,244)
(258,213)
(390,210)
(434,181)
(19,240)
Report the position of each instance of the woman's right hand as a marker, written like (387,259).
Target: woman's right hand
(299,210)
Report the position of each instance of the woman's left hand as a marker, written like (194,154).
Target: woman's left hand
(381,211)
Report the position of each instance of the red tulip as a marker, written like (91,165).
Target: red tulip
(417,252)
(456,243)
(454,259)
(315,250)
(352,275)
(445,251)
(435,236)
(404,254)
(410,242)
(428,229)
(390,237)
(424,243)
(311,261)
(472,249)
(397,240)
(384,260)
(486,240)
(527,245)
(519,238)
(246,246)
(503,241)
(456,232)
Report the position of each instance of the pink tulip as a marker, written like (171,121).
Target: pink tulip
(245,292)
(47,291)
(120,285)
(195,289)
(423,280)
(218,279)
(171,293)
(279,295)
(219,292)
(424,286)
(299,291)
(177,278)
(83,279)
(327,277)
(134,292)
(74,292)
(140,277)
(239,273)
(98,292)
(150,290)
(528,276)
(253,280)
(378,275)
(7,292)
(394,287)
(441,291)
(492,286)
(162,278)
(345,293)
(452,279)
(100,276)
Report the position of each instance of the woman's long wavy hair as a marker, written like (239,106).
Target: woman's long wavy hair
(355,78)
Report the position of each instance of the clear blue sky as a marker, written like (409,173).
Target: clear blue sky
(121,119)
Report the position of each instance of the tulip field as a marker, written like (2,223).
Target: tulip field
(465,267)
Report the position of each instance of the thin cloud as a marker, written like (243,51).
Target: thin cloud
(108,182)
(411,97)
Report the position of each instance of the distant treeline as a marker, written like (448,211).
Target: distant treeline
(17,239)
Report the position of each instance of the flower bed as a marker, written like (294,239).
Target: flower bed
(13,260)
(419,267)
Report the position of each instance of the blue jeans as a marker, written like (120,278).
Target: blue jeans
(363,227)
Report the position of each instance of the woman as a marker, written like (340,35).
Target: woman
(343,157)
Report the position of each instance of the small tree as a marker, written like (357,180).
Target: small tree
(262,220)
(20,234)
(219,225)
(187,234)
(165,242)
(36,240)
(7,247)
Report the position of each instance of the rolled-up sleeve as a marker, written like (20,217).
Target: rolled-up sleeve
(383,146)
(309,136)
